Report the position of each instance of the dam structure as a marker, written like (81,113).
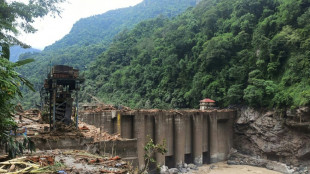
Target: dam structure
(191,136)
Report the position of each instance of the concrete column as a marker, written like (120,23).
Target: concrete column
(118,124)
(231,128)
(54,106)
(179,145)
(159,137)
(213,138)
(139,126)
(188,134)
(197,139)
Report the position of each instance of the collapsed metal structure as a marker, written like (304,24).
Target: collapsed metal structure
(59,87)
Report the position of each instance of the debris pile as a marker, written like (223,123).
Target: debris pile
(57,161)
(43,164)
(94,132)
(99,107)
(29,124)
(84,162)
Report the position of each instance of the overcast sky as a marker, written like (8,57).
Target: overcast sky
(52,29)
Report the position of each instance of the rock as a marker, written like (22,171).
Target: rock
(247,115)
(212,167)
(304,151)
(183,170)
(118,165)
(192,166)
(173,171)
(267,134)
(185,165)
(164,170)
(232,162)
(279,167)
(303,113)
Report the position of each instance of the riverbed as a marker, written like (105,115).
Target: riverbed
(224,168)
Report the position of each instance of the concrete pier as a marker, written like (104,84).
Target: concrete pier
(159,137)
(198,139)
(139,127)
(191,136)
(213,138)
(179,146)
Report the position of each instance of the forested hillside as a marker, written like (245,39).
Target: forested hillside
(254,53)
(89,37)
(16,51)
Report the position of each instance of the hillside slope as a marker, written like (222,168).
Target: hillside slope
(16,51)
(89,37)
(236,52)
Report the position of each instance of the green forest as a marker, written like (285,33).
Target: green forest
(89,38)
(236,52)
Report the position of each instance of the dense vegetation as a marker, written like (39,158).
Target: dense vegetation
(248,52)
(91,36)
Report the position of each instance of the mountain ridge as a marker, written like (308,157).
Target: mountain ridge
(88,43)
(236,52)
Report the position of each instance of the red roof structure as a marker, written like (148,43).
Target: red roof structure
(207,100)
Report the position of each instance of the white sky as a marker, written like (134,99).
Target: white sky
(52,29)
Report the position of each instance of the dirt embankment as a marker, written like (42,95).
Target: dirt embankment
(282,136)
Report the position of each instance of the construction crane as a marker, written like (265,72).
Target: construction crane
(57,93)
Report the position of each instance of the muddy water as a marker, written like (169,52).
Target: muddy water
(223,168)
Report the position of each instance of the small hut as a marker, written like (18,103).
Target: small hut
(207,104)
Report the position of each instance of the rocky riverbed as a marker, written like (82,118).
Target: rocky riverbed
(218,168)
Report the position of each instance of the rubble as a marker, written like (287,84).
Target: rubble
(28,165)
(185,168)
(60,161)
(29,124)
(99,107)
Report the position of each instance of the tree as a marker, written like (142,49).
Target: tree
(16,17)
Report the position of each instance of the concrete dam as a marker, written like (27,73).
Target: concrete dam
(191,136)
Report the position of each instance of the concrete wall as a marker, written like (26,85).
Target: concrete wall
(127,149)
(69,142)
(191,136)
